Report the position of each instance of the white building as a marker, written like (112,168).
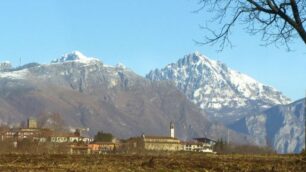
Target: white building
(199,145)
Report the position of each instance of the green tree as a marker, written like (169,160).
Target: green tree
(103,137)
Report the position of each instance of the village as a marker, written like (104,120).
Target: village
(44,140)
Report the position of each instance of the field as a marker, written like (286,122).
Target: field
(162,162)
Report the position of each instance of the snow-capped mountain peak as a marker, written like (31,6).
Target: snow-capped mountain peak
(194,58)
(215,87)
(121,66)
(75,56)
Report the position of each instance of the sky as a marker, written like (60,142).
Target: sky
(142,35)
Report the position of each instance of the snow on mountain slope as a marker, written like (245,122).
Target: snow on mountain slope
(21,74)
(6,71)
(75,67)
(222,92)
(75,56)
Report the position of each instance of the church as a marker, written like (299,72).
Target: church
(155,143)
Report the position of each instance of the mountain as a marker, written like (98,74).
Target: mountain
(87,93)
(76,56)
(281,127)
(223,93)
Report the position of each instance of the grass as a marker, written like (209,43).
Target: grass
(152,162)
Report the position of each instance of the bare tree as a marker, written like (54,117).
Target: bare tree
(278,21)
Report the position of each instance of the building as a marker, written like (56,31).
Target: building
(199,145)
(191,146)
(27,133)
(59,138)
(194,146)
(73,138)
(64,137)
(206,141)
(160,143)
(21,133)
(32,123)
(42,135)
(154,143)
(102,147)
(8,134)
(79,149)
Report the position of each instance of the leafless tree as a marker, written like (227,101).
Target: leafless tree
(278,21)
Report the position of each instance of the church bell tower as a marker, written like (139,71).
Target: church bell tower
(171,129)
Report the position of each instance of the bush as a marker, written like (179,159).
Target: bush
(103,137)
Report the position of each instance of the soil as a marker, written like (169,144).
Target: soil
(151,162)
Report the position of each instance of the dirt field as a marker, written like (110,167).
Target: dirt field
(170,162)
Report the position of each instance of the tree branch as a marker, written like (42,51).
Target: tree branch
(278,21)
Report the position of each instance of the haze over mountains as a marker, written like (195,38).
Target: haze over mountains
(197,93)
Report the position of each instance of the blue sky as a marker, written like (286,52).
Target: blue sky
(143,35)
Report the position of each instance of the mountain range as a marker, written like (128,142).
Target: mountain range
(203,97)
(89,94)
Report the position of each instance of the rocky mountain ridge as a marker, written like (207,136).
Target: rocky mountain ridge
(281,127)
(225,94)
